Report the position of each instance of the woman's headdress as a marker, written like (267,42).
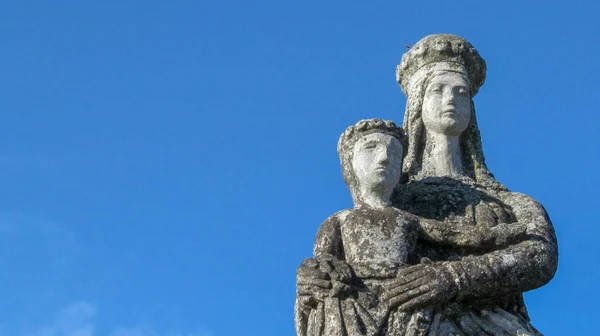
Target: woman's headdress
(441,52)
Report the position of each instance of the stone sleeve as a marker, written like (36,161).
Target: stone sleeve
(329,239)
(521,267)
(451,234)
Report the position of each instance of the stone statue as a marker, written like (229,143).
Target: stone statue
(446,251)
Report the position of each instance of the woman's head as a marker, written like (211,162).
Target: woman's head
(440,75)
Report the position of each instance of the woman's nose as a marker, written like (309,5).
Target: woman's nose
(384,157)
(449,99)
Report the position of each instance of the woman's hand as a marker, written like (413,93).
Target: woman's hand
(504,234)
(423,285)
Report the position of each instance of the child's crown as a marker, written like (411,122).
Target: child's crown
(368,126)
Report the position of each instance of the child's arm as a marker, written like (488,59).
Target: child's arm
(325,274)
(328,243)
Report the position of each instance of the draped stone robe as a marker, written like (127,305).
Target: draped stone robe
(375,243)
(490,280)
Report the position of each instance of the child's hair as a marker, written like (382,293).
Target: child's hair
(352,134)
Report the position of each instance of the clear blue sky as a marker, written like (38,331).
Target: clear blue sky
(165,164)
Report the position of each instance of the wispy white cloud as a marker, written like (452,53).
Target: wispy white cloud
(77,319)
(34,248)
(73,320)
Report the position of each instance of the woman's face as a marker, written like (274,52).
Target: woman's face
(447,104)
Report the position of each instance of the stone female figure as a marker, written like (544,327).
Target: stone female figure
(445,178)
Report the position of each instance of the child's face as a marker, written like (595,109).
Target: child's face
(377,160)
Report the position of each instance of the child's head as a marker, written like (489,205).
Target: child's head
(371,155)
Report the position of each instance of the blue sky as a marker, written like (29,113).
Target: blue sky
(165,165)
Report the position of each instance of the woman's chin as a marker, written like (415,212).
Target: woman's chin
(453,127)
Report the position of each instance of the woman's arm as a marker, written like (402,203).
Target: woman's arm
(517,268)
(469,236)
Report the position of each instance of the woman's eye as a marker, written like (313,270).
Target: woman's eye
(463,92)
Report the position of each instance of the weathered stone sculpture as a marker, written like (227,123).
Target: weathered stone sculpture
(434,244)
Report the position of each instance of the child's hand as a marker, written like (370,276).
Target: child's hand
(340,273)
(312,284)
(326,277)
(337,269)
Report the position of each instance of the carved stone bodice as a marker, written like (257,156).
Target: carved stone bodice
(377,242)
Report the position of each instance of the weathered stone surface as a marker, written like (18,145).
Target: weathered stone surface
(434,245)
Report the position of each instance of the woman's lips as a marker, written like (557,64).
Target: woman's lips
(449,112)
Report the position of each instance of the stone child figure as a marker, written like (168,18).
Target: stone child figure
(358,251)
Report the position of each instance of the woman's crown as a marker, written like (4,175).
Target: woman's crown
(442,48)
